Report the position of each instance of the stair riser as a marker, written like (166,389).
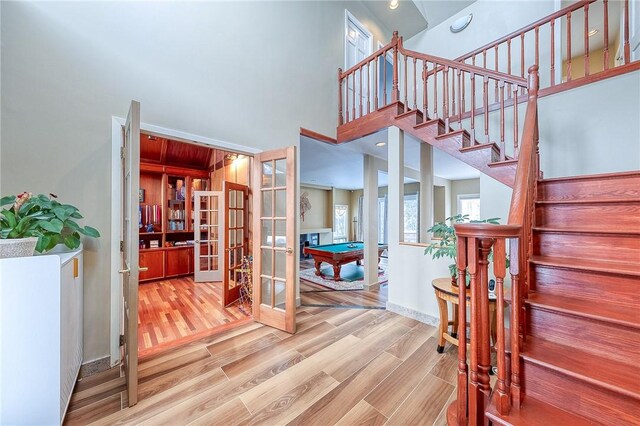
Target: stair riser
(621,216)
(598,287)
(579,397)
(590,189)
(605,339)
(588,246)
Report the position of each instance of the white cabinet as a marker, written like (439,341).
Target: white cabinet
(41,315)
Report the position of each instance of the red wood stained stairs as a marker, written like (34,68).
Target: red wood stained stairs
(581,353)
(458,143)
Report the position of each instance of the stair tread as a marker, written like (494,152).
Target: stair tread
(625,268)
(453,133)
(586,230)
(535,412)
(477,146)
(631,200)
(602,311)
(506,162)
(616,175)
(409,112)
(427,123)
(604,372)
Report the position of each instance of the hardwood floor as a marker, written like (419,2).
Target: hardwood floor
(343,366)
(174,311)
(316,295)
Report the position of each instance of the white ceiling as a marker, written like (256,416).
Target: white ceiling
(438,11)
(340,166)
(406,18)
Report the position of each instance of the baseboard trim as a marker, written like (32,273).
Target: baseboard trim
(413,314)
(96,366)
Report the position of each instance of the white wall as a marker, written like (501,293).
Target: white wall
(251,73)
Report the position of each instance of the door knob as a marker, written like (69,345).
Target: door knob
(124,271)
(143,268)
(289,250)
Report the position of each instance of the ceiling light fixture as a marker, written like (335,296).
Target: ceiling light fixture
(393,4)
(381,144)
(593,32)
(461,23)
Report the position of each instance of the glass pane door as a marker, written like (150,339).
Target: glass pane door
(207,235)
(237,235)
(274,225)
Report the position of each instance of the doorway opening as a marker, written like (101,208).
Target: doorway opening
(193,239)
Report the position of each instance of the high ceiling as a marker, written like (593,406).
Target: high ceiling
(438,11)
(406,18)
(341,166)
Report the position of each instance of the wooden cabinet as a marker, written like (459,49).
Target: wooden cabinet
(154,261)
(178,261)
(41,323)
(166,218)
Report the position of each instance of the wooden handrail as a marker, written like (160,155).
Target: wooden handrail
(547,19)
(527,154)
(471,69)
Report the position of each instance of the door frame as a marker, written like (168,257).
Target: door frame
(117,124)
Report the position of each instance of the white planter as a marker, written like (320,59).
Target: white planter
(18,247)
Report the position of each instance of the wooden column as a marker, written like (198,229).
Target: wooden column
(370,220)
(426,191)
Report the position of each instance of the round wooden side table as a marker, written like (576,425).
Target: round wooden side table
(446,292)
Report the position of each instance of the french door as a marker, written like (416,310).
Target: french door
(130,156)
(274,235)
(208,235)
(236,231)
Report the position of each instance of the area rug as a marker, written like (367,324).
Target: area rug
(352,277)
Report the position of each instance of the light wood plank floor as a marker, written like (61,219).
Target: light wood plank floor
(174,311)
(344,366)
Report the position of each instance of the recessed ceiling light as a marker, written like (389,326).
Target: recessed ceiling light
(379,144)
(593,32)
(461,23)
(393,4)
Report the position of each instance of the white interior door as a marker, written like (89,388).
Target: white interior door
(130,155)
(358,45)
(208,235)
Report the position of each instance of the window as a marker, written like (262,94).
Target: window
(469,204)
(340,223)
(411,218)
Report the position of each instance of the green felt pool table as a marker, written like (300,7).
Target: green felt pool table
(338,255)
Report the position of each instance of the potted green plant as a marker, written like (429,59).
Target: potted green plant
(446,245)
(38,222)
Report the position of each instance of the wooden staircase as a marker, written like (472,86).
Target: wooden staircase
(582,323)
(567,345)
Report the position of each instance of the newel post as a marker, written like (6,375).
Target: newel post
(395,92)
(340,119)
(534,82)
(462,380)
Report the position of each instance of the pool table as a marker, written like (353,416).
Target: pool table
(338,255)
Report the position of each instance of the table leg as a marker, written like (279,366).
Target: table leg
(454,332)
(336,272)
(444,323)
(318,263)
